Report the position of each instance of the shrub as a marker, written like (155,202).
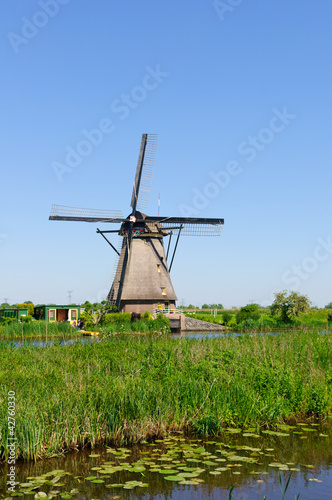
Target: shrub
(226,317)
(116,318)
(247,312)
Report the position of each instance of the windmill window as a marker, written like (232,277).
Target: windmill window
(163,291)
(158,267)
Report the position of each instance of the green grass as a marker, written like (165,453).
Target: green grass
(43,329)
(311,320)
(118,323)
(124,390)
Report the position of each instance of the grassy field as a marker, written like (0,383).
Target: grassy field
(118,323)
(124,390)
(311,320)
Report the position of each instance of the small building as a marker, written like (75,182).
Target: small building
(13,312)
(54,313)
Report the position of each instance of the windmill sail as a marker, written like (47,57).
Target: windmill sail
(144,172)
(60,212)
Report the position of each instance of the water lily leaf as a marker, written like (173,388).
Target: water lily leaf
(138,469)
(173,478)
(275,433)
(189,474)
(189,482)
(40,494)
(95,455)
(215,472)
(323,435)
(91,478)
(115,485)
(97,481)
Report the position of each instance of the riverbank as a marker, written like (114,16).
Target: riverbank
(125,390)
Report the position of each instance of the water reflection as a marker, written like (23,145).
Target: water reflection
(254,473)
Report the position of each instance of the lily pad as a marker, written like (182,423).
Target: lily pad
(173,478)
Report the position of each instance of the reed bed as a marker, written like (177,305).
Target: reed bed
(124,390)
(42,329)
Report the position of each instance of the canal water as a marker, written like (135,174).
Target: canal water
(79,338)
(253,461)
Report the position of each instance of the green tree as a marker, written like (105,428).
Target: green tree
(328,306)
(288,305)
(27,305)
(212,306)
(249,311)
(93,313)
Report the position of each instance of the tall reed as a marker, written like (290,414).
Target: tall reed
(126,389)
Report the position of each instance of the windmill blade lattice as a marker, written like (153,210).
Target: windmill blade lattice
(144,172)
(60,212)
(187,229)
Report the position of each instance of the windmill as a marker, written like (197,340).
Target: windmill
(141,280)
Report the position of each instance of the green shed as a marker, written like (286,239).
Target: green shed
(11,312)
(54,313)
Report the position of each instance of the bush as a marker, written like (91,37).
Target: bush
(26,319)
(247,312)
(116,318)
(6,321)
(226,317)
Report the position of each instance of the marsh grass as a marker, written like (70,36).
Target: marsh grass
(123,390)
(44,330)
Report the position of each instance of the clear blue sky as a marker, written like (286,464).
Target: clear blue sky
(241,100)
